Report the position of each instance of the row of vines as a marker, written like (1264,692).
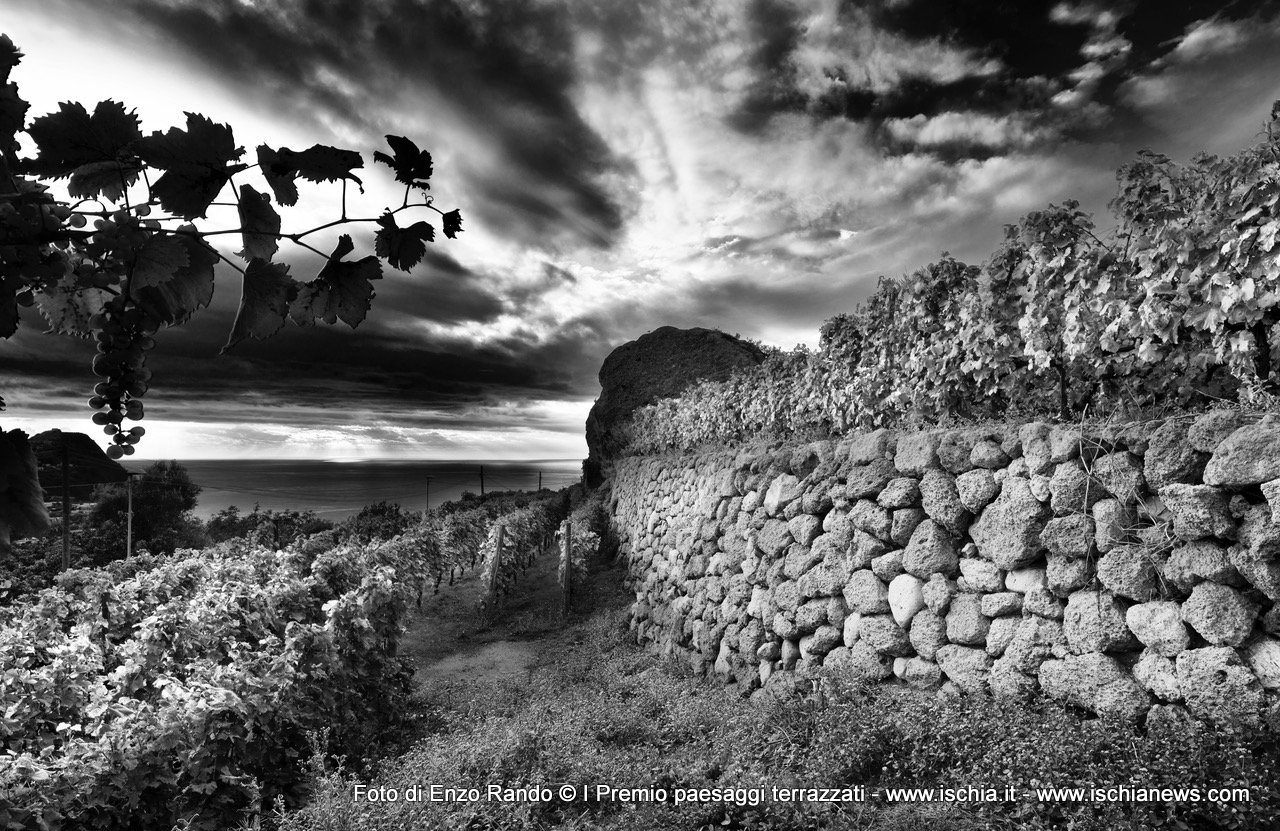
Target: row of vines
(1177,306)
(512,545)
(188,689)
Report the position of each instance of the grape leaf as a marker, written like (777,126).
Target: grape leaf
(260,224)
(191,286)
(10,56)
(157,260)
(264,301)
(196,161)
(452,224)
(71,138)
(279,175)
(410,163)
(402,247)
(341,291)
(68,307)
(13,114)
(110,179)
(321,163)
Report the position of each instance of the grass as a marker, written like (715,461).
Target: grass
(599,710)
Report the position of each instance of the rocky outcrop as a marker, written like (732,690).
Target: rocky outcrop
(87,465)
(21,506)
(657,365)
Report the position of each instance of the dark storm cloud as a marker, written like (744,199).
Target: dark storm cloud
(389,365)
(775,29)
(1053,62)
(504,71)
(442,290)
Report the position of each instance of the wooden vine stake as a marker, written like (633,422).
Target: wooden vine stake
(566,564)
(495,568)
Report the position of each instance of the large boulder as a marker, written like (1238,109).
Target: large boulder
(659,364)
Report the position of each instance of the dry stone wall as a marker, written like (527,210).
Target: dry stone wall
(1116,568)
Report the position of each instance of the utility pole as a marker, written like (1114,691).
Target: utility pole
(428,493)
(128,534)
(539,480)
(66,506)
(482,480)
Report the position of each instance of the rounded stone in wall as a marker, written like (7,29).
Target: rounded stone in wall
(905,598)
(1263,657)
(1171,459)
(1159,626)
(1095,622)
(1218,686)
(1096,682)
(967,667)
(882,634)
(1249,456)
(1157,674)
(1219,614)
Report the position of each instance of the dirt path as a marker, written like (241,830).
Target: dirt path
(449,637)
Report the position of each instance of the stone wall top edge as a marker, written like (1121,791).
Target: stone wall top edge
(1123,433)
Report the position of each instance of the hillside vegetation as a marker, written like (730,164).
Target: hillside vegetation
(1177,307)
(186,689)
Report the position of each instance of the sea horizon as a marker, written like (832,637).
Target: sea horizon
(336,488)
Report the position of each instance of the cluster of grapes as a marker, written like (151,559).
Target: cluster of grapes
(124,336)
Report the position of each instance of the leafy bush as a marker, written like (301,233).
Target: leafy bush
(269,528)
(380,521)
(163,497)
(182,688)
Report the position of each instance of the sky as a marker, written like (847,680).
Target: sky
(751,166)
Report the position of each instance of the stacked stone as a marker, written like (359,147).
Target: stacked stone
(1116,568)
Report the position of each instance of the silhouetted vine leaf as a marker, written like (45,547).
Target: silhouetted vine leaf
(279,175)
(412,166)
(342,290)
(196,161)
(403,248)
(452,224)
(68,306)
(264,301)
(71,138)
(188,289)
(108,179)
(157,260)
(260,224)
(321,163)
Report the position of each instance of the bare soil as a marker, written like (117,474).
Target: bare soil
(450,638)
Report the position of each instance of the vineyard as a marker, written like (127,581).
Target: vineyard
(513,543)
(1177,307)
(188,688)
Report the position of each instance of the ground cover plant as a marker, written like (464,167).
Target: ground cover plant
(601,711)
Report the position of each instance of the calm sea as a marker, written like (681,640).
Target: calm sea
(335,490)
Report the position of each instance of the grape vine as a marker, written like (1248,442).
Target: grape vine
(1179,306)
(144,264)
